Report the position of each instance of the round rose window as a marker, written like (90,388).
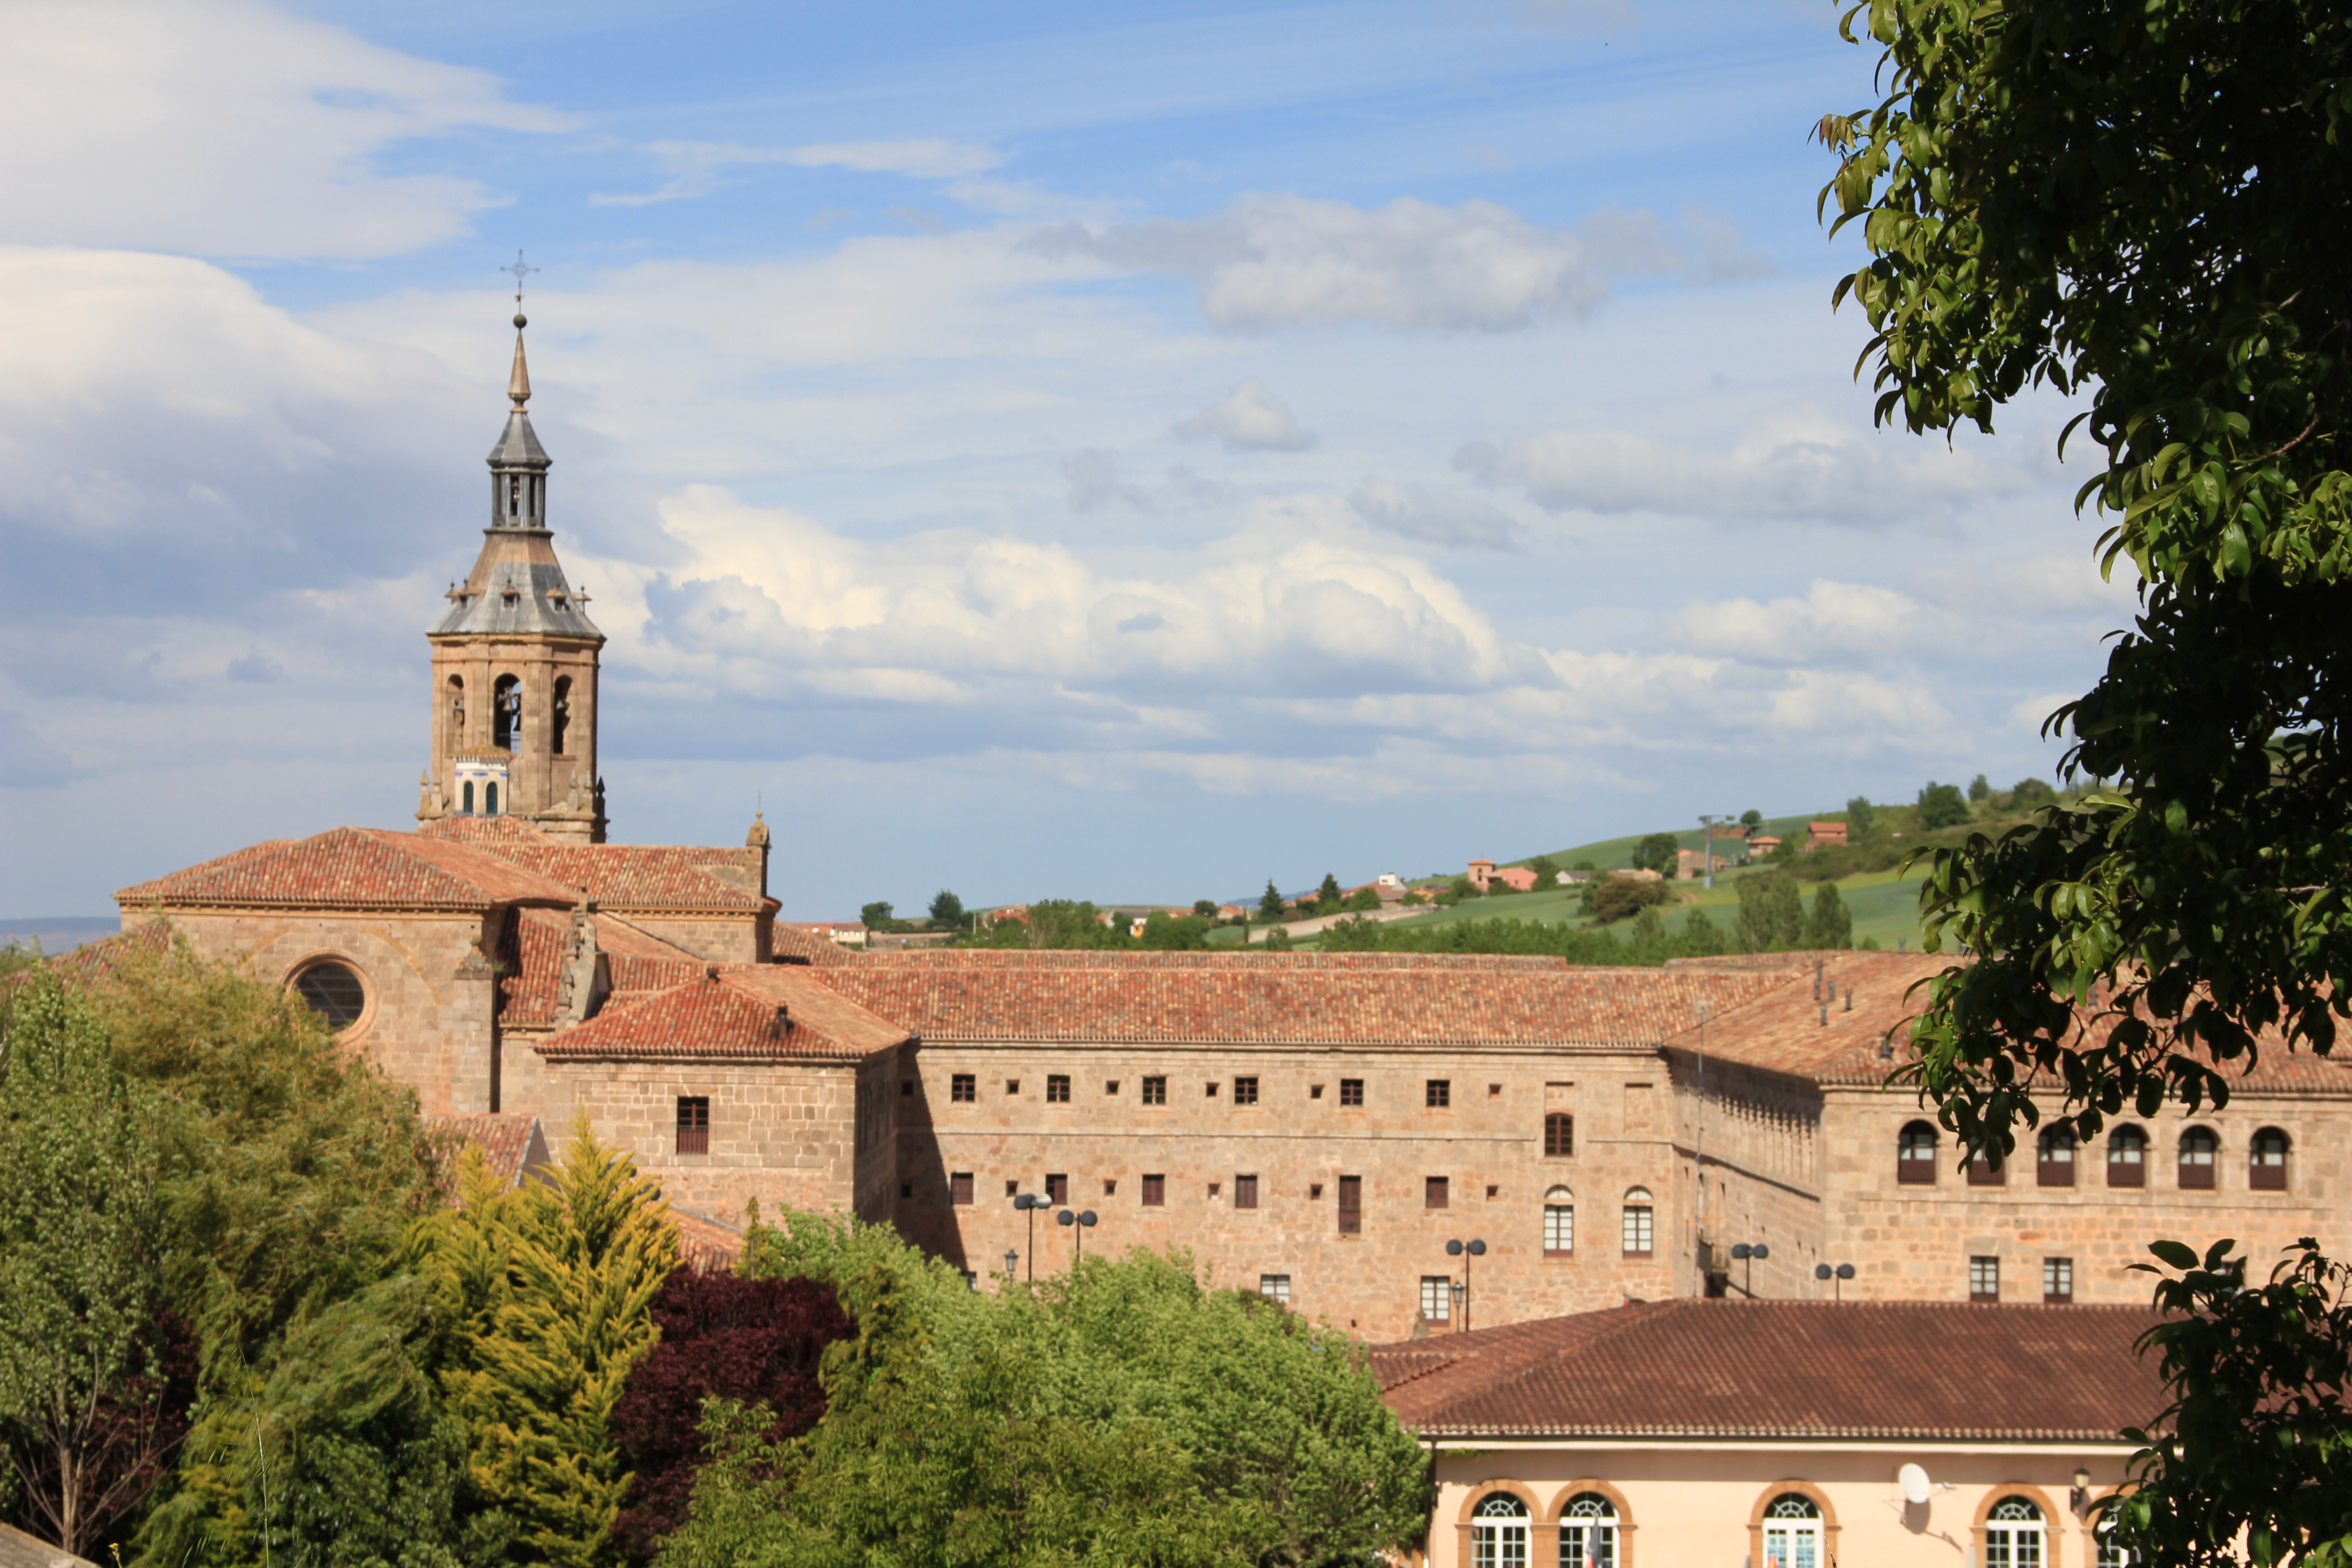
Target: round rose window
(333,992)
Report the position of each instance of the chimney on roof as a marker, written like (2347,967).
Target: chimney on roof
(784,1021)
(1849,996)
(1825,1015)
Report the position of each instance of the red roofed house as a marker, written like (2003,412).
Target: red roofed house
(1315,1125)
(1517,878)
(1481,873)
(1825,836)
(1789,1434)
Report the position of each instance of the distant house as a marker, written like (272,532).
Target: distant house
(1009,912)
(1516,877)
(1230,911)
(1569,878)
(1481,873)
(1691,863)
(1762,845)
(1825,836)
(848,933)
(1637,874)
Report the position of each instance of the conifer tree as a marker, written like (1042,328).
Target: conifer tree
(1831,924)
(550,1289)
(1269,903)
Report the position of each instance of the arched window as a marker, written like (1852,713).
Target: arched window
(457,712)
(2267,1161)
(1792,1532)
(2198,1148)
(1559,1223)
(468,798)
(1915,1154)
(1499,1533)
(559,710)
(1638,1230)
(506,713)
(1559,1135)
(1986,1169)
(2128,1158)
(2112,1552)
(333,992)
(2013,1534)
(2053,1158)
(1587,1532)
(490,799)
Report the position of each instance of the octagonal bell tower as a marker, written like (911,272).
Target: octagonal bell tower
(515,662)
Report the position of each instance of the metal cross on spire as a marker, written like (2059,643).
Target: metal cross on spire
(521,270)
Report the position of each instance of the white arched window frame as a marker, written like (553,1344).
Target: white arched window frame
(1587,1532)
(1640,1228)
(1558,1222)
(2014,1535)
(1499,1533)
(1792,1532)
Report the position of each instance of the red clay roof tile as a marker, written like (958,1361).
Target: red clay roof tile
(739,1011)
(350,868)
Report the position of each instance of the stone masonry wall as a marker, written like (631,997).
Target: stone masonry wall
(1298,1143)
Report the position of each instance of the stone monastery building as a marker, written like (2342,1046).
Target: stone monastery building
(1317,1126)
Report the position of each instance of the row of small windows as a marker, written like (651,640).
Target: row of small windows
(2196,1160)
(963,1088)
(1502,1533)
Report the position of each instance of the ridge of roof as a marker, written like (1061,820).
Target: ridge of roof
(730,1011)
(352,868)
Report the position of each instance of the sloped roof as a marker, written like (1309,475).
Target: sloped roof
(351,868)
(1786,1370)
(18,1549)
(511,1146)
(1341,998)
(1782,1029)
(731,1011)
(632,877)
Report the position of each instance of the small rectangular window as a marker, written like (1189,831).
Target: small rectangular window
(1351,1091)
(1436,1299)
(1984,1278)
(1638,1238)
(1012,1085)
(2057,1281)
(1213,1090)
(960,1189)
(906,1189)
(1155,1091)
(1245,1092)
(1244,1192)
(970,1281)
(1057,1089)
(1434,1193)
(1314,1091)
(1012,1188)
(1439,1093)
(1351,1206)
(1559,1135)
(1110,1086)
(1274,1288)
(693,1124)
(1155,1192)
(1110,1186)
(963,1088)
(906,1089)
(1057,1188)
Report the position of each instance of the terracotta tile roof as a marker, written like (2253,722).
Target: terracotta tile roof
(512,1146)
(531,951)
(351,868)
(1358,998)
(739,1010)
(796,943)
(641,878)
(704,1242)
(642,961)
(94,961)
(1781,1030)
(1795,1370)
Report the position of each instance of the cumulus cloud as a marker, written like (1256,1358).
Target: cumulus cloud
(1251,418)
(1283,261)
(216,128)
(1435,514)
(1833,622)
(698,168)
(1799,465)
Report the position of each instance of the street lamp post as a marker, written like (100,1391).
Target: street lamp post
(1029,1204)
(1465,1250)
(1012,1262)
(1743,1253)
(1707,863)
(1083,1222)
(1841,1274)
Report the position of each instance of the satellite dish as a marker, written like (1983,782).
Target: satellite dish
(1914,1481)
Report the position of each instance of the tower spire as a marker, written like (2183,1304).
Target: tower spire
(518,381)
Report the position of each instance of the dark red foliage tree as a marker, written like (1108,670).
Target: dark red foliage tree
(723,1337)
(134,1442)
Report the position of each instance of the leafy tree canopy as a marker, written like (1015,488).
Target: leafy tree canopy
(1941,806)
(1752,818)
(1860,818)
(946,910)
(1655,852)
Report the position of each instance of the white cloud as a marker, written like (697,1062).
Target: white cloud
(1435,514)
(1284,260)
(1251,418)
(217,128)
(1833,621)
(698,168)
(1800,464)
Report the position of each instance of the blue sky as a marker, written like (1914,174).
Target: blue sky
(1042,450)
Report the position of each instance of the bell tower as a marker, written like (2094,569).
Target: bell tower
(515,662)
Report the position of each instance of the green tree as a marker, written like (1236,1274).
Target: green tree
(1860,818)
(1277,940)
(1752,818)
(1656,853)
(1616,898)
(1771,913)
(1164,932)
(1545,870)
(1122,1411)
(876,916)
(548,1288)
(1831,924)
(1269,903)
(2027,793)
(81,1274)
(947,911)
(1941,806)
(2145,206)
(1205,908)
(1328,896)
(1979,790)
